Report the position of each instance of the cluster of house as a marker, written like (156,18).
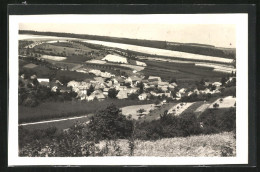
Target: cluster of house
(124,85)
(34,44)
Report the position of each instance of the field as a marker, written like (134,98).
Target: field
(227,102)
(179,108)
(214,145)
(155,114)
(55,110)
(177,46)
(60,125)
(55,58)
(167,70)
(133,110)
(160,52)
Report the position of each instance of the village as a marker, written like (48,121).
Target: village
(143,88)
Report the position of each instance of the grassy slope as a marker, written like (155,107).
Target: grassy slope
(195,146)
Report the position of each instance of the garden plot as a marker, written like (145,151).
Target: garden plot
(55,58)
(161,52)
(179,108)
(226,102)
(133,110)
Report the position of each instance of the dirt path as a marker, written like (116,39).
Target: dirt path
(55,120)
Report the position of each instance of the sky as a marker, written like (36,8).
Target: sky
(219,35)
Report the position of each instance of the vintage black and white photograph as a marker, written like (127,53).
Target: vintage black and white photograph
(120,88)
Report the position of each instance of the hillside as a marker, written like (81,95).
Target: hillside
(223,144)
(183,47)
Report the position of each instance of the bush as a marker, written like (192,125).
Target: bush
(218,120)
(110,124)
(112,93)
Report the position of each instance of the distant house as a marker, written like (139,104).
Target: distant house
(182,91)
(207,83)
(99,79)
(217,84)
(122,94)
(120,80)
(97,94)
(163,83)
(33,77)
(163,88)
(44,81)
(142,96)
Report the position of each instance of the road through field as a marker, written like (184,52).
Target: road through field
(56,120)
(60,124)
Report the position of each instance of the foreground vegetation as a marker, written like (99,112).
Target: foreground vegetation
(103,135)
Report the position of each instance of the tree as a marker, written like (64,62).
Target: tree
(141,87)
(90,90)
(110,124)
(141,111)
(223,81)
(112,93)
(215,105)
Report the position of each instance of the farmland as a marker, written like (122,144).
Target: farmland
(182,47)
(139,93)
(133,110)
(160,52)
(226,102)
(54,110)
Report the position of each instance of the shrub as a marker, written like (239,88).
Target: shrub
(112,93)
(109,124)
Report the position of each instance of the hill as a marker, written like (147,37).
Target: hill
(183,47)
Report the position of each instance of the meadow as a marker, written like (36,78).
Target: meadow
(215,145)
(160,52)
(54,110)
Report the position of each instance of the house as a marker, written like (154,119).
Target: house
(115,81)
(217,84)
(105,75)
(122,94)
(44,81)
(97,94)
(207,83)
(163,88)
(65,89)
(99,79)
(105,91)
(161,83)
(132,90)
(120,80)
(142,96)
(167,94)
(182,91)
(33,77)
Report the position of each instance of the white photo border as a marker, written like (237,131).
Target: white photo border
(238,19)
